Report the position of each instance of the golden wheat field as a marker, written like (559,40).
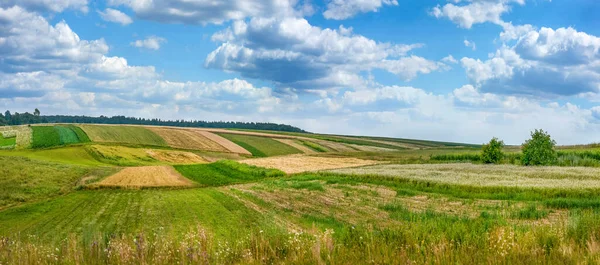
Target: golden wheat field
(148,176)
(187,139)
(302,163)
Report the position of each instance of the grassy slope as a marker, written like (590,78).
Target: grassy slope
(116,211)
(81,135)
(122,156)
(226,173)
(23,179)
(261,146)
(76,155)
(67,135)
(123,134)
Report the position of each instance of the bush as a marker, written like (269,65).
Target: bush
(491,153)
(539,150)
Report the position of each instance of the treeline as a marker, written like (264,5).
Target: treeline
(27,118)
(16,118)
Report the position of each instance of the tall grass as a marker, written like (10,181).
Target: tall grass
(261,146)
(571,158)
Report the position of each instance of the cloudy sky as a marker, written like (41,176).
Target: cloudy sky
(452,70)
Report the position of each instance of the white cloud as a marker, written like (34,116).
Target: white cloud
(113,15)
(29,43)
(151,43)
(475,12)
(291,52)
(48,5)
(343,9)
(470,44)
(546,63)
(210,11)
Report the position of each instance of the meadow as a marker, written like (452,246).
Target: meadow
(130,195)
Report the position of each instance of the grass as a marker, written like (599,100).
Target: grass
(392,214)
(76,155)
(45,136)
(134,135)
(226,172)
(8,141)
(261,146)
(67,135)
(81,135)
(23,179)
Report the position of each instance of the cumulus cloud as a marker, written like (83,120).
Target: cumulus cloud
(211,12)
(470,44)
(343,9)
(545,63)
(290,52)
(116,16)
(29,43)
(475,12)
(151,43)
(48,5)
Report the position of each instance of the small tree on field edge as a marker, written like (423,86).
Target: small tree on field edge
(491,153)
(539,150)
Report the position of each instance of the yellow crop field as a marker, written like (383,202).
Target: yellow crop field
(229,145)
(302,163)
(150,176)
(187,139)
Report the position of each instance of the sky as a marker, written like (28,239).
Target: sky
(448,70)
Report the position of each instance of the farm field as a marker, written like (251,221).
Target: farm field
(149,176)
(133,196)
(134,135)
(261,146)
(187,139)
(302,163)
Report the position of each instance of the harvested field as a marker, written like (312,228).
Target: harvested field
(176,157)
(488,175)
(151,176)
(123,134)
(229,145)
(301,163)
(187,139)
(336,147)
(22,132)
(291,142)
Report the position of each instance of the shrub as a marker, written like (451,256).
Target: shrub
(539,150)
(491,153)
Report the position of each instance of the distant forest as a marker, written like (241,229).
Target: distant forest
(9,118)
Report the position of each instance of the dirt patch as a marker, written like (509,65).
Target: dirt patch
(187,139)
(229,145)
(152,176)
(176,157)
(296,145)
(302,163)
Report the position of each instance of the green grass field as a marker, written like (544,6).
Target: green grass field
(8,141)
(133,135)
(45,136)
(226,173)
(261,146)
(415,207)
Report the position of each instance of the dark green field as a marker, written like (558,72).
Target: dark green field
(226,173)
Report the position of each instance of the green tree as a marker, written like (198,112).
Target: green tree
(491,153)
(36,112)
(539,150)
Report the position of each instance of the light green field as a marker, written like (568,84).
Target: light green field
(133,135)
(8,141)
(261,146)
(68,155)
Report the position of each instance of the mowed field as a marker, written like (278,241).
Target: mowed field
(299,199)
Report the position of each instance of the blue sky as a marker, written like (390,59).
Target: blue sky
(456,70)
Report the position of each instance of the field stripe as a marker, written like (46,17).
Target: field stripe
(229,145)
(294,144)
